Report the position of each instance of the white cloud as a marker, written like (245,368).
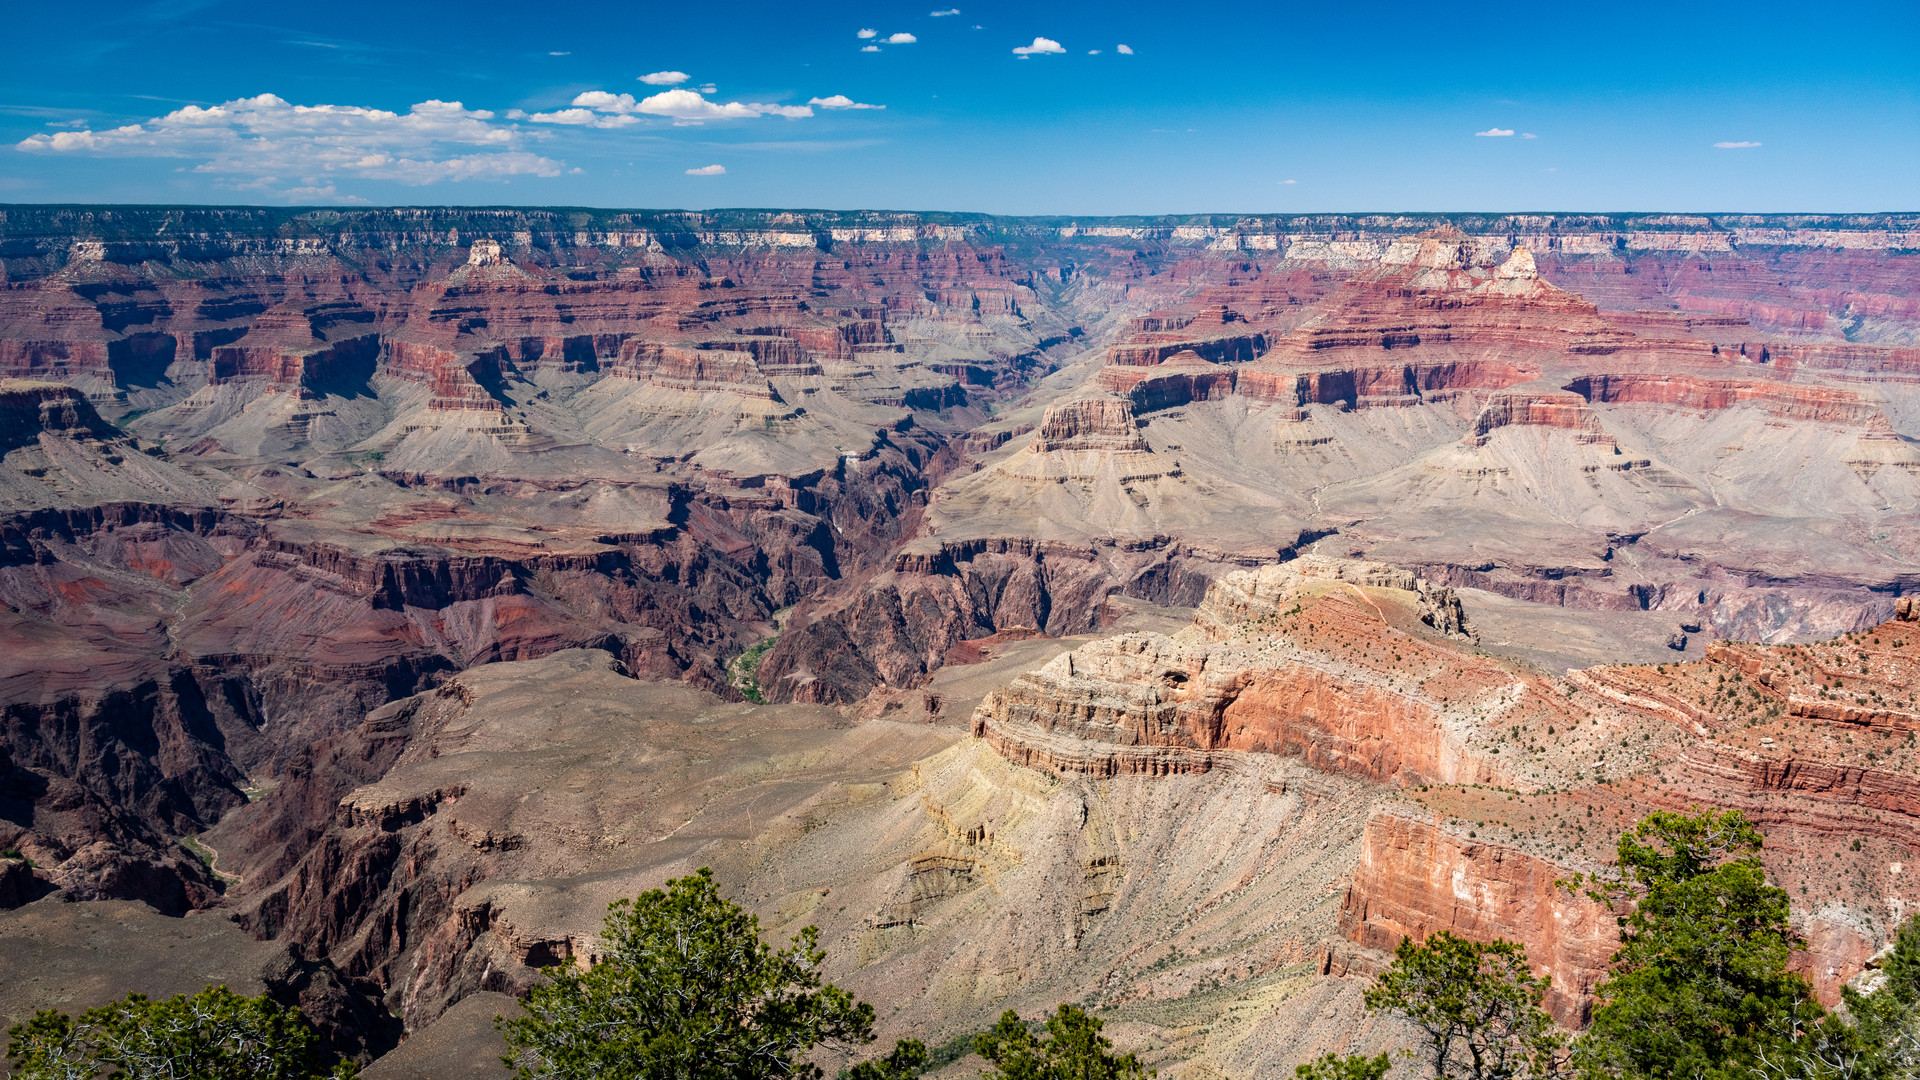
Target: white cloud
(841,101)
(270,141)
(707,88)
(605,102)
(680,105)
(560,54)
(902,39)
(582,118)
(1528,135)
(949,11)
(708,170)
(1040,45)
(867,34)
(1093,52)
(1289,181)
(871,48)
(665,78)
(1124,50)
(1496,133)
(1735,145)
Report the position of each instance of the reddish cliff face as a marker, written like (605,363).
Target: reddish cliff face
(1145,703)
(1100,423)
(1511,783)
(1815,404)
(1416,878)
(1565,411)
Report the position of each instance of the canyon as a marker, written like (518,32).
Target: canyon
(1169,616)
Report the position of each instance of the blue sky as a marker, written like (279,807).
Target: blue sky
(1218,108)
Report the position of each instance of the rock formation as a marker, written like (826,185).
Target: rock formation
(281,491)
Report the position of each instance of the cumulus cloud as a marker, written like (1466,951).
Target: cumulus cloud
(841,101)
(1093,52)
(1735,145)
(871,48)
(708,170)
(1124,50)
(867,34)
(949,11)
(679,105)
(1495,133)
(1040,45)
(582,118)
(265,140)
(665,78)
(902,39)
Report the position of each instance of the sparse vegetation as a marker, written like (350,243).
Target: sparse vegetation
(1071,1048)
(743,672)
(1478,1006)
(213,1035)
(686,990)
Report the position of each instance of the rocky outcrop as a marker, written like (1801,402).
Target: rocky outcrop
(1416,878)
(29,407)
(1565,411)
(1099,423)
(1148,703)
(1809,404)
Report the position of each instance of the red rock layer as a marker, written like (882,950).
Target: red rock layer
(1565,411)
(1093,423)
(1416,878)
(1814,404)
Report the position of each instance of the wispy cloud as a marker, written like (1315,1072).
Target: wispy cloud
(1093,52)
(326,194)
(1735,145)
(902,39)
(1285,182)
(841,101)
(1040,45)
(1495,133)
(708,170)
(1124,50)
(264,141)
(665,78)
(867,33)
(560,54)
(871,48)
(949,11)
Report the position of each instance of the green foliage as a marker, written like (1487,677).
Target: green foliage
(1352,1067)
(744,671)
(686,990)
(907,1060)
(1700,988)
(1888,1019)
(1071,1049)
(212,1035)
(1478,1005)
